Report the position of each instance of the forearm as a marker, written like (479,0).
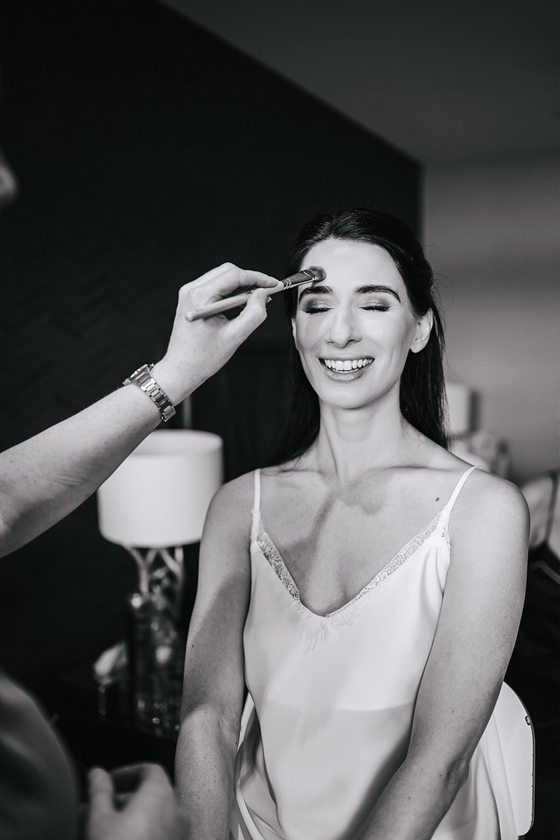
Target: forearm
(44,478)
(204,767)
(47,476)
(415,801)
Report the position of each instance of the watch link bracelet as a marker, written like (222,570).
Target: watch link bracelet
(146,382)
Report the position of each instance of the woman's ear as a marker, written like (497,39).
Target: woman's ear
(424,326)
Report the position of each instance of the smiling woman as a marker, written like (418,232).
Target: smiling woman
(371,629)
(421,391)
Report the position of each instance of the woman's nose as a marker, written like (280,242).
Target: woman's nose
(344,328)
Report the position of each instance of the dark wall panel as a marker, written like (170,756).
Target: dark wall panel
(147,152)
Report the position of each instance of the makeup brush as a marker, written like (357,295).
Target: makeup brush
(308,275)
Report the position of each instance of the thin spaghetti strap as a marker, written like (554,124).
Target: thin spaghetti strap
(552,504)
(256,509)
(257,501)
(446,512)
(458,488)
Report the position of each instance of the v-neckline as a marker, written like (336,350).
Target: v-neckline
(274,558)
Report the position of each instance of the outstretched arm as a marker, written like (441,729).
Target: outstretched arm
(464,673)
(214,674)
(47,476)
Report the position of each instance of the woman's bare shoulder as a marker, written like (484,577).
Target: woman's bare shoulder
(486,488)
(490,506)
(233,499)
(482,487)
(239,490)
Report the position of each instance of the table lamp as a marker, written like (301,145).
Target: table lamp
(157,500)
(153,505)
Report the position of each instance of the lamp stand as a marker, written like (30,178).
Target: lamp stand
(161,571)
(153,623)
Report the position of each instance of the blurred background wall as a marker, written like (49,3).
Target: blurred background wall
(491,234)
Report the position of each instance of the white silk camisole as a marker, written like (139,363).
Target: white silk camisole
(329,712)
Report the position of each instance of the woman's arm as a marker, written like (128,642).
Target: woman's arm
(46,477)
(214,674)
(474,640)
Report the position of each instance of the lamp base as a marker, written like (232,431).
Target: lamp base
(155,657)
(161,572)
(154,616)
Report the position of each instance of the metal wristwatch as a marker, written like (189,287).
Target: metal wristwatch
(146,382)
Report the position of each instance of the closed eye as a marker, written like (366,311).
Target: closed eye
(314,309)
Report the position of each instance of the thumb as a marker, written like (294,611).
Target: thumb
(100,790)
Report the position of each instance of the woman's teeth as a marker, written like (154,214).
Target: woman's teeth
(347,364)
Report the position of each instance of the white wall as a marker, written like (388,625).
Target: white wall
(492,230)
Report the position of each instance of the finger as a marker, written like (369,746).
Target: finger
(153,789)
(226,271)
(227,279)
(121,800)
(248,277)
(133,776)
(100,790)
(213,273)
(251,316)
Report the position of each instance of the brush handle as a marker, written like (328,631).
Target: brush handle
(308,275)
(219,306)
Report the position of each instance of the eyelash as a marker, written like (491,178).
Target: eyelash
(315,310)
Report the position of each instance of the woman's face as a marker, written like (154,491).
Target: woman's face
(354,330)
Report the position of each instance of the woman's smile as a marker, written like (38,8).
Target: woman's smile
(345,369)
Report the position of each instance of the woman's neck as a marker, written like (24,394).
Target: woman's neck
(354,441)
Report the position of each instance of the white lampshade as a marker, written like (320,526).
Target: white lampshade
(160,495)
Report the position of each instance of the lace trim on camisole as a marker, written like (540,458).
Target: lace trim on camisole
(315,628)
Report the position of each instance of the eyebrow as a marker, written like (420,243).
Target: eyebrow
(361,290)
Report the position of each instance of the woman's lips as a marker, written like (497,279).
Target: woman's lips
(346,368)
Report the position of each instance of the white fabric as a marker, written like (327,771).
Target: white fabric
(330,704)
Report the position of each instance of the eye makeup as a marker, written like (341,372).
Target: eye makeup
(361,290)
(315,298)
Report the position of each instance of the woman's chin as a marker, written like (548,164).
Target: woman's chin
(347,401)
(352,395)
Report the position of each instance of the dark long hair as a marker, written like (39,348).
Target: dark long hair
(422,388)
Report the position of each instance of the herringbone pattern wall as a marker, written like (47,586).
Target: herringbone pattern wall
(147,152)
